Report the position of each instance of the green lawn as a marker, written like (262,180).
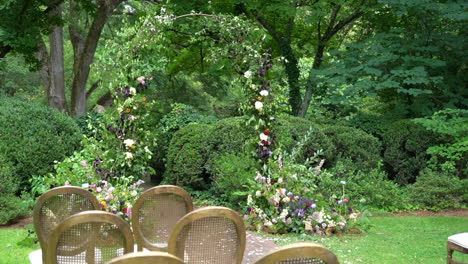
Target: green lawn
(393,240)
(15,246)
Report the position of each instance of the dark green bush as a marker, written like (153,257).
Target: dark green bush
(180,116)
(232,173)
(405,145)
(12,206)
(436,190)
(373,124)
(371,185)
(32,136)
(187,157)
(363,149)
(289,130)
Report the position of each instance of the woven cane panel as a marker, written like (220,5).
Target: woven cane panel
(55,209)
(302,261)
(210,240)
(95,243)
(159,214)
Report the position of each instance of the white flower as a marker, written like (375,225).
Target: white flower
(264,93)
(258,105)
(258,193)
(128,155)
(263,136)
(247,74)
(111,189)
(129,142)
(131,117)
(353,216)
(268,224)
(85,185)
(132,91)
(134,193)
(141,80)
(343,182)
(280,180)
(317,216)
(286,200)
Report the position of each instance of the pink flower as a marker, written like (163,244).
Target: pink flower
(345,200)
(98,189)
(84,164)
(67,183)
(141,79)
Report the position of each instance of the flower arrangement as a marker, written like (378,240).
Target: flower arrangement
(117,199)
(282,204)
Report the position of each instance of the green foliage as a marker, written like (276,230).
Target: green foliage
(405,146)
(232,174)
(89,121)
(363,149)
(290,129)
(16,78)
(187,156)
(33,136)
(180,116)
(373,124)
(12,205)
(452,125)
(435,190)
(404,60)
(370,187)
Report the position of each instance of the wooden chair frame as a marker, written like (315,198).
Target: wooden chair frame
(210,211)
(140,238)
(454,247)
(147,258)
(51,193)
(88,217)
(299,250)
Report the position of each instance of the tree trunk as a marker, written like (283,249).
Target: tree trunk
(310,86)
(56,91)
(293,73)
(78,96)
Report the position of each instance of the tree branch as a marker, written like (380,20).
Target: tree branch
(93,88)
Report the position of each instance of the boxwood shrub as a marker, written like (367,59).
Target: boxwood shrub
(33,136)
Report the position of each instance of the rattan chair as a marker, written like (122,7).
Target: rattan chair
(55,206)
(210,235)
(155,214)
(300,253)
(147,258)
(92,237)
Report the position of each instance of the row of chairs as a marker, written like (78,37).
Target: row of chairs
(71,229)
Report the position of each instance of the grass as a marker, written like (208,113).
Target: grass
(393,240)
(15,246)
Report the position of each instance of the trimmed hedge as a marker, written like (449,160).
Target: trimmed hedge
(33,136)
(195,150)
(405,146)
(11,205)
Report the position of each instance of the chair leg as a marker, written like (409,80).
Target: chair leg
(449,253)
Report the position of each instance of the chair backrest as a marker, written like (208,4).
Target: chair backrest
(56,205)
(93,237)
(300,253)
(147,258)
(209,235)
(155,214)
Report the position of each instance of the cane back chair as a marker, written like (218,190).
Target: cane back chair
(210,235)
(55,206)
(147,258)
(92,237)
(300,253)
(155,214)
